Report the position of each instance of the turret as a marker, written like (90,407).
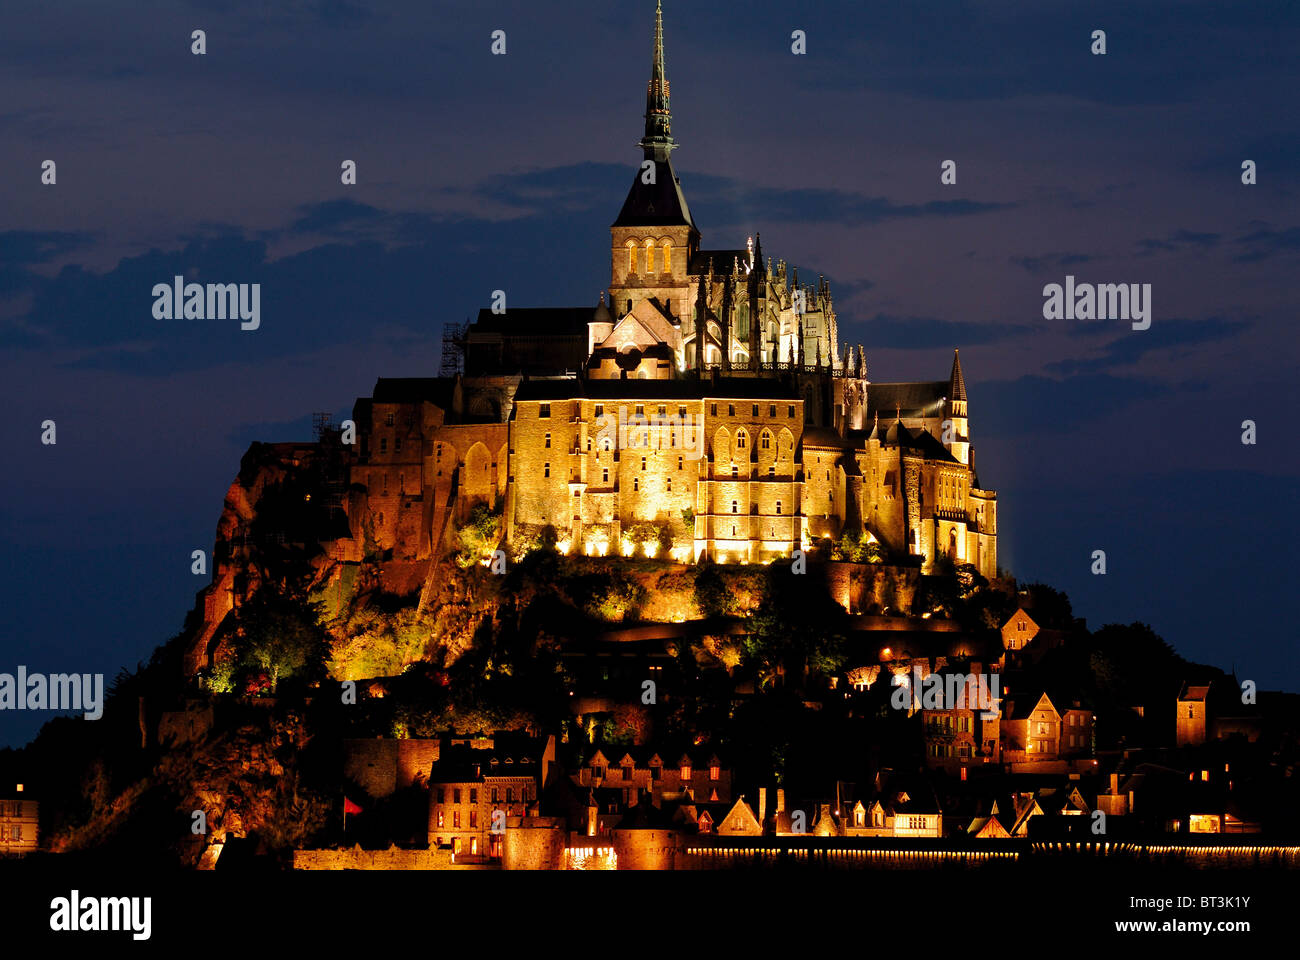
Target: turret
(956,433)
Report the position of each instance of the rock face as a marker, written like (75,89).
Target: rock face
(288,515)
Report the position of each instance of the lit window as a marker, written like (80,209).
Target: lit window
(668,256)
(713,772)
(649,256)
(631,257)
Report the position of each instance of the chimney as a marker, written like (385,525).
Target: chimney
(780,799)
(762,804)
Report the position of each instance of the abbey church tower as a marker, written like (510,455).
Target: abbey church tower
(654,238)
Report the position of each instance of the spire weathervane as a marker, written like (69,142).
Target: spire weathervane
(658,141)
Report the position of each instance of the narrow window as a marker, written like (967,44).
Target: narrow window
(649,256)
(548,441)
(547,470)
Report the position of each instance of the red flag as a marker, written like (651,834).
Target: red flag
(350,807)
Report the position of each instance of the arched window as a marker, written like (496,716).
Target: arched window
(766,439)
(631,257)
(778,508)
(740,440)
(649,256)
(735,507)
(668,256)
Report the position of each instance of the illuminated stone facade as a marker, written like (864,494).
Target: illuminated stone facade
(753,433)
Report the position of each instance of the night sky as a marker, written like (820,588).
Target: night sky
(478,172)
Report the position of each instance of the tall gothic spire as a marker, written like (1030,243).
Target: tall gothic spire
(658,140)
(656,198)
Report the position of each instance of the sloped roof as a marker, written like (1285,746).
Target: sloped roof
(534,321)
(661,203)
(688,388)
(911,399)
(436,390)
(723,261)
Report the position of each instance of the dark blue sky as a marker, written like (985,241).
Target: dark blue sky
(479,172)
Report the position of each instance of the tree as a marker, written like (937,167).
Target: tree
(280,637)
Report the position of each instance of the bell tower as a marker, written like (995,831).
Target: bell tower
(654,238)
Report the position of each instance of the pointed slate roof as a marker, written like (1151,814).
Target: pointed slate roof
(956,382)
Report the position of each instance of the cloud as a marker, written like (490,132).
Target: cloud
(924,333)
(1035,404)
(1173,335)
(1051,261)
(1266,241)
